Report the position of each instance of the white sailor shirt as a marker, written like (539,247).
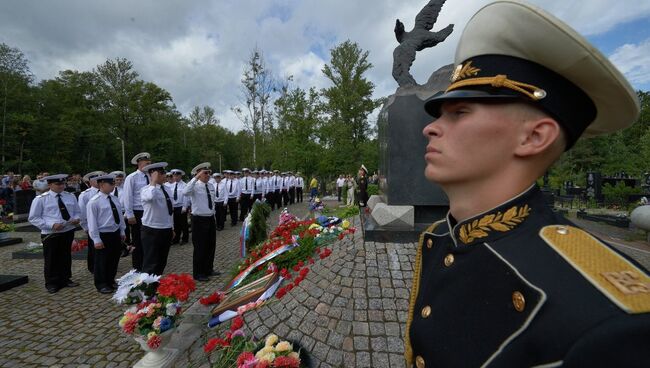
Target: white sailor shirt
(133,185)
(44,211)
(156,214)
(100,216)
(196,190)
(84,197)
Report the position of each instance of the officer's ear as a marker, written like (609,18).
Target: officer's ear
(539,135)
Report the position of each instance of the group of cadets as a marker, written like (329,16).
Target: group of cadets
(146,212)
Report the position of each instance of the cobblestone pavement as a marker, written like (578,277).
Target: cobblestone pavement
(77,327)
(350,311)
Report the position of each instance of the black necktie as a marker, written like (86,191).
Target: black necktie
(255,184)
(64,210)
(230,190)
(207,190)
(116,216)
(168,200)
(217,188)
(146,177)
(115,192)
(176,192)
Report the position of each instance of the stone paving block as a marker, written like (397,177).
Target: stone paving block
(363,360)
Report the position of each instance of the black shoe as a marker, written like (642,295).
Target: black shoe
(106,290)
(114,285)
(201,278)
(215,273)
(52,289)
(71,283)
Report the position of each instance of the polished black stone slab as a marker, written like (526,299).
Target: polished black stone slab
(11,281)
(10,241)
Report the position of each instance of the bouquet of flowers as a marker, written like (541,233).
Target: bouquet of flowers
(316,205)
(235,349)
(156,313)
(78,245)
(6,228)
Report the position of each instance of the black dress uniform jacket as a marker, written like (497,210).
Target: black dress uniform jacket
(519,286)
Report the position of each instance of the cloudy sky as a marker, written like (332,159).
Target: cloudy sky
(197,49)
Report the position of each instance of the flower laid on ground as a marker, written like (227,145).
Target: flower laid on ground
(214,298)
(78,245)
(157,312)
(6,228)
(235,349)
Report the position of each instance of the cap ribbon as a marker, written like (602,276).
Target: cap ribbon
(501,80)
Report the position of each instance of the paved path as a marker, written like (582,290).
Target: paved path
(77,327)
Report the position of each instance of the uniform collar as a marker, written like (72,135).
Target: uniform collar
(494,223)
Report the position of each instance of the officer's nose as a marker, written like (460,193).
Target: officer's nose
(431,130)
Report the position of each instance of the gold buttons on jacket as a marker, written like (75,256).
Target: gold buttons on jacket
(429,243)
(426,312)
(419,362)
(449,260)
(518,301)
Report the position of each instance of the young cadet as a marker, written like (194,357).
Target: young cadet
(106,228)
(176,188)
(220,200)
(119,187)
(300,186)
(157,222)
(246,183)
(56,214)
(133,210)
(83,199)
(233,192)
(258,187)
(503,281)
(204,236)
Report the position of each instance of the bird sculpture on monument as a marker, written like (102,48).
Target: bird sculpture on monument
(419,38)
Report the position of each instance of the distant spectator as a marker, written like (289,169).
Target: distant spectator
(340,182)
(40,186)
(7,179)
(313,187)
(352,186)
(26,183)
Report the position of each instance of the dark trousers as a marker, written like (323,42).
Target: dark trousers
(269,199)
(220,215)
(339,190)
(180,226)
(256,197)
(277,198)
(292,195)
(232,207)
(107,259)
(204,239)
(58,258)
(155,249)
(299,194)
(127,233)
(136,236)
(285,197)
(245,202)
(90,256)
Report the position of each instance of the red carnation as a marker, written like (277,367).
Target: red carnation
(286,362)
(237,323)
(245,357)
(296,268)
(281,292)
(262,364)
(154,342)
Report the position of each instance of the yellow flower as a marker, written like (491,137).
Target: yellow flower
(265,350)
(123,321)
(271,340)
(294,355)
(283,346)
(151,334)
(345,224)
(268,357)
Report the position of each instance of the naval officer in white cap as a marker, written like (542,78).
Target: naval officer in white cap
(56,214)
(502,280)
(83,199)
(157,221)
(133,210)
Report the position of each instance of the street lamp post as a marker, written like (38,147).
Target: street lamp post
(123,155)
(219,161)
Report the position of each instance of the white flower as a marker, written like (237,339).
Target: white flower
(171,309)
(283,346)
(271,340)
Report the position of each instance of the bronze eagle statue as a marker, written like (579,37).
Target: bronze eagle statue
(419,38)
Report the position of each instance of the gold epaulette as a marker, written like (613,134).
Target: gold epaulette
(408,351)
(620,280)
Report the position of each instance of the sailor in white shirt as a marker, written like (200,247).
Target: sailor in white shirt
(56,214)
(132,203)
(285,189)
(220,200)
(265,185)
(204,235)
(233,190)
(84,197)
(300,185)
(119,187)
(106,228)
(340,182)
(292,188)
(176,188)
(247,184)
(258,187)
(157,222)
(276,181)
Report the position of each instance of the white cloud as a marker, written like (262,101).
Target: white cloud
(634,61)
(197,50)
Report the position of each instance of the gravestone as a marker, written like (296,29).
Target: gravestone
(23,201)
(401,143)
